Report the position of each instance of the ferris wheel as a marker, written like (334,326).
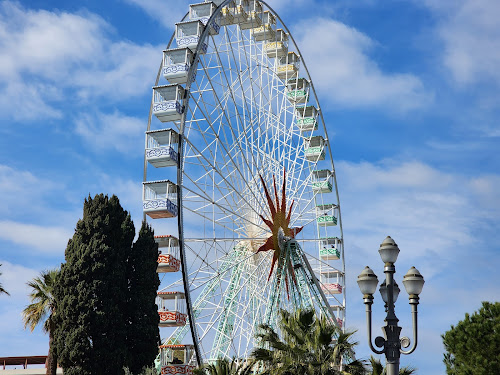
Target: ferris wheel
(240,182)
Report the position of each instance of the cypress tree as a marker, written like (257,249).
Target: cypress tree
(92,292)
(143,335)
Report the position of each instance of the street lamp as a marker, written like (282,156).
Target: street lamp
(389,290)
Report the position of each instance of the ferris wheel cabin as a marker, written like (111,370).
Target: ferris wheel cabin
(188,34)
(326,215)
(267,30)
(330,281)
(171,308)
(307,118)
(253,10)
(169,259)
(315,148)
(168,102)
(158,199)
(329,248)
(177,359)
(176,64)
(202,12)
(227,13)
(322,181)
(161,148)
(297,90)
(279,47)
(288,66)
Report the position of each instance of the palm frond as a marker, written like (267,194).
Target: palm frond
(43,303)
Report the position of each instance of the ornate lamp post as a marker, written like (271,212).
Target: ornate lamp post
(414,282)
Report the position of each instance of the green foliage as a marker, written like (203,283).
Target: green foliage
(307,346)
(222,366)
(473,345)
(92,292)
(143,335)
(379,369)
(2,290)
(42,310)
(42,301)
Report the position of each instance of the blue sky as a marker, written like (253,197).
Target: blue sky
(410,93)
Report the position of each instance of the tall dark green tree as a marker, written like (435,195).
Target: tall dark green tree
(473,345)
(143,336)
(92,292)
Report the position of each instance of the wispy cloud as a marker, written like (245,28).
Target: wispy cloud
(166,15)
(24,185)
(53,61)
(337,57)
(126,132)
(48,239)
(471,36)
(430,211)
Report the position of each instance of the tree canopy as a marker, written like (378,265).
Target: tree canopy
(473,345)
(308,345)
(143,336)
(100,295)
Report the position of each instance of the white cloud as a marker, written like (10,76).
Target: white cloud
(49,59)
(166,15)
(471,36)
(48,239)
(427,211)
(20,189)
(126,133)
(337,58)
(14,278)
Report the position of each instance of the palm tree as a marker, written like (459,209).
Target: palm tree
(222,366)
(379,369)
(42,310)
(2,290)
(308,346)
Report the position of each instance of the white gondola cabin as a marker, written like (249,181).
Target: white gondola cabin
(188,34)
(171,308)
(240,11)
(278,47)
(253,9)
(203,12)
(330,281)
(322,181)
(159,199)
(177,359)
(168,102)
(329,249)
(288,66)
(161,147)
(315,148)
(227,13)
(267,30)
(168,259)
(176,65)
(325,214)
(297,90)
(307,118)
